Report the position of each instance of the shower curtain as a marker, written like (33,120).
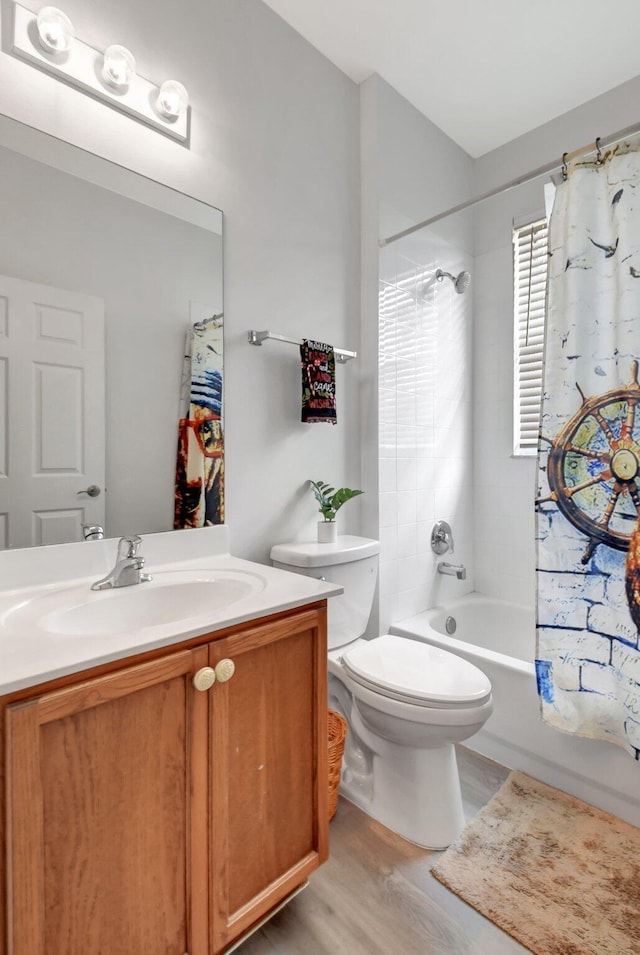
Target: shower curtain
(588,495)
(199,483)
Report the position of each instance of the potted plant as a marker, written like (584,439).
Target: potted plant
(330,502)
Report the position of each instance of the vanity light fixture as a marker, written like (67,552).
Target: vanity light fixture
(46,40)
(55,30)
(118,67)
(173,99)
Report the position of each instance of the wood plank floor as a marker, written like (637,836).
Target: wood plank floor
(376,895)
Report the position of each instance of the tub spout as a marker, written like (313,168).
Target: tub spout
(452,570)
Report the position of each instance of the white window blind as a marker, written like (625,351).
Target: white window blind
(529,299)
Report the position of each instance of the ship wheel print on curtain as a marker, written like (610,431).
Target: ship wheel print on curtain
(593,471)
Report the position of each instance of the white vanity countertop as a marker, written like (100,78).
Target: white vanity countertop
(44,588)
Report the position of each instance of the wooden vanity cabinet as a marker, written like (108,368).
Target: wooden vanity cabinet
(146,816)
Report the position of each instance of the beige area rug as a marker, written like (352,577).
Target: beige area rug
(560,876)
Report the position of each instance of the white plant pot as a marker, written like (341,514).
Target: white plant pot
(327,532)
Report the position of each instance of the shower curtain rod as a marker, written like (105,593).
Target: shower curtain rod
(513,183)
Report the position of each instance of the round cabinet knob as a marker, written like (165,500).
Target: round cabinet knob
(225,670)
(204,678)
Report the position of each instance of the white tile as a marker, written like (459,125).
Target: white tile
(426,471)
(388,440)
(406,507)
(388,296)
(388,543)
(425,447)
(445,500)
(406,343)
(406,409)
(388,509)
(518,590)
(410,573)
(387,402)
(425,505)
(485,468)
(407,473)
(388,474)
(411,602)
(387,372)
(487,582)
(406,540)
(453,474)
(423,537)
(388,611)
(426,383)
(406,375)
(387,578)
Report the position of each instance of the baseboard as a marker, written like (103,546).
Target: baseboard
(589,790)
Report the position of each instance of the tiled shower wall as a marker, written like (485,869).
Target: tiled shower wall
(425,429)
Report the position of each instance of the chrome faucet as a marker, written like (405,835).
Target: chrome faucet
(92,532)
(441,538)
(452,570)
(127,568)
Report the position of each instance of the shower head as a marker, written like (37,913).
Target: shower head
(460,282)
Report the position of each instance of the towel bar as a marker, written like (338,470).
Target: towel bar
(257,338)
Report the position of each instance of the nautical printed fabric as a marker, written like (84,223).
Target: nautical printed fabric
(318,366)
(588,495)
(199,494)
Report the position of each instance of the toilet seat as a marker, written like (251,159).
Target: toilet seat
(416,673)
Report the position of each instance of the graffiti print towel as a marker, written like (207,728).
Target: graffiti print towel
(318,366)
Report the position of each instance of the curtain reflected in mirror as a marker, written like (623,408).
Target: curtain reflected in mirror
(200,464)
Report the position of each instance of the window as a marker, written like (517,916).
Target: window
(529,301)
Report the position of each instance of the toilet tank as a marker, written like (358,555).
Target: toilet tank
(351,562)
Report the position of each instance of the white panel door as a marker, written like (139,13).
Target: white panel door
(52,413)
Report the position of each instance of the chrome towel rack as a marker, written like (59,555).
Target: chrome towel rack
(257,338)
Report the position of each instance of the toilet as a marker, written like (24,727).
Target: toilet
(406,703)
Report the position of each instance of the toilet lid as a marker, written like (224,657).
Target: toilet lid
(416,672)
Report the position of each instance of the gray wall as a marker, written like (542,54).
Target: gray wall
(275,144)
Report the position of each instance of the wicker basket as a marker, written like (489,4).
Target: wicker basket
(337,736)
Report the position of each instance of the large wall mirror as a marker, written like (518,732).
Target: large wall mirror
(102,273)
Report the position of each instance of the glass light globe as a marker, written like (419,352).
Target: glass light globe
(55,30)
(173,99)
(118,67)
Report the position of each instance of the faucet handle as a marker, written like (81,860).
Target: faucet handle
(128,546)
(441,538)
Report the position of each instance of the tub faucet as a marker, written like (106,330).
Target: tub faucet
(127,570)
(452,570)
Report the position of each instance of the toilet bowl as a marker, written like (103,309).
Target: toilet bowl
(406,703)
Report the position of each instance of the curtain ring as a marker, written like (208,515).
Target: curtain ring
(564,167)
(598,152)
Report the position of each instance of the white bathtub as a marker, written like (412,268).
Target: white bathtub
(499,638)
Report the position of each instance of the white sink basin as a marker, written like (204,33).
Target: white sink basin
(172,596)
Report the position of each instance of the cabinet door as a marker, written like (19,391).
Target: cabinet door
(107,802)
(269,826)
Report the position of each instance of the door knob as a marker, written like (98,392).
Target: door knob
(93,490)
(225,670)
(204,678)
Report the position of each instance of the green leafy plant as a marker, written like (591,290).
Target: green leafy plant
(329,499)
